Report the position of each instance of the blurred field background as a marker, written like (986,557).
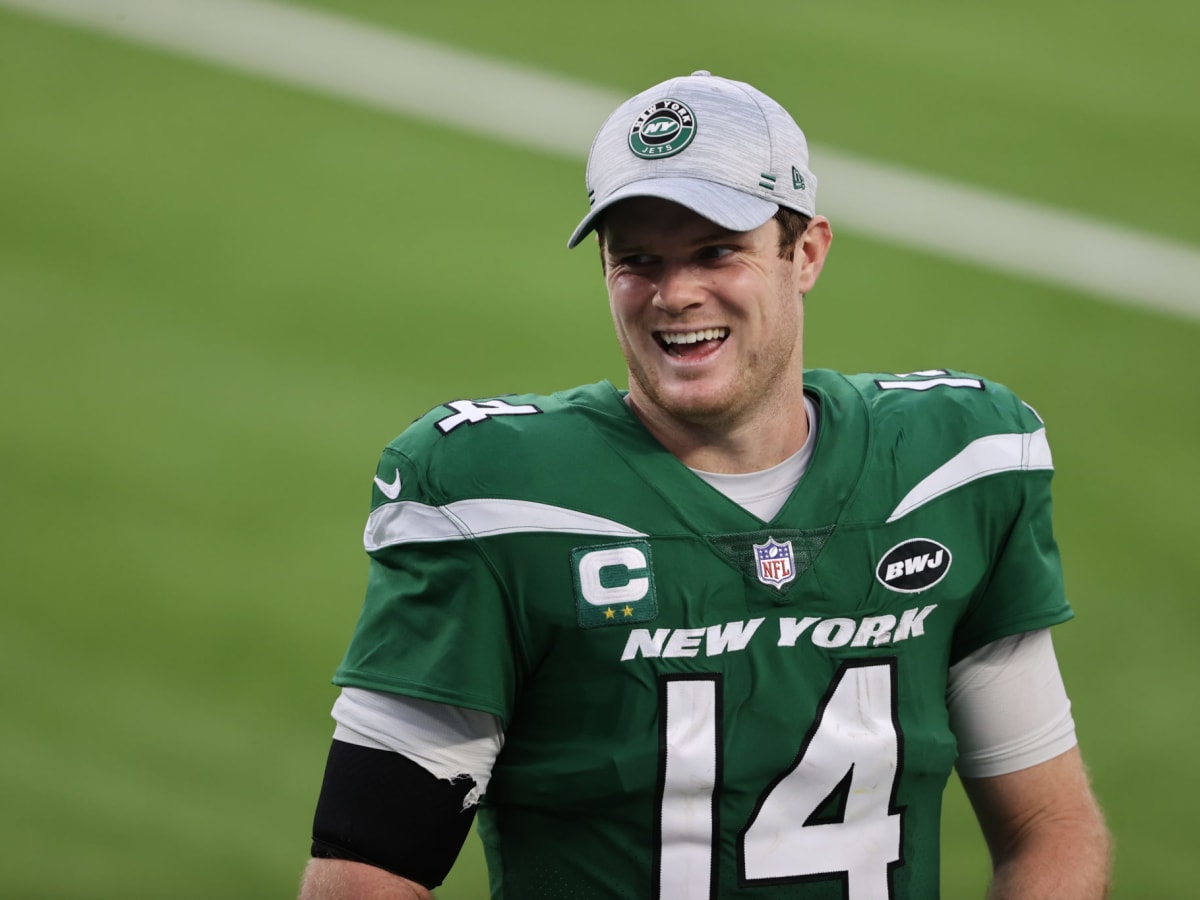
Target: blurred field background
(221,296)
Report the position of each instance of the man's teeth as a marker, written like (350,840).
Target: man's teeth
(692,337)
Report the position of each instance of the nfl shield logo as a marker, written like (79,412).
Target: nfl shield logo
(774,562)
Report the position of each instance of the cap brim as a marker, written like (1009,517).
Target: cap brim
(727,207)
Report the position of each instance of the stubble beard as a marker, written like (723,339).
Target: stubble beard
(760,382)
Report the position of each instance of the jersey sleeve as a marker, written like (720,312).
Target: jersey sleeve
(435,623)
(1024,588)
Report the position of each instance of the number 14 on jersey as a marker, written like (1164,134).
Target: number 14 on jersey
(849,759)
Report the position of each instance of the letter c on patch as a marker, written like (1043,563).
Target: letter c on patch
(620,588)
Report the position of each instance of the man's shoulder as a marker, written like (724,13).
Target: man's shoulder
(483,421)
(954,405)
(498,443)
(922,435)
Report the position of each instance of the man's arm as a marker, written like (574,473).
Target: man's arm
(1045,832)
(341,879)
(380,813)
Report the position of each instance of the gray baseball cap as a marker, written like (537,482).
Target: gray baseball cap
(722,148)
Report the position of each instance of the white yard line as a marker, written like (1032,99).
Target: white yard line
(554,115)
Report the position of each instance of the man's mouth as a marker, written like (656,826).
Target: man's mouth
(683,344)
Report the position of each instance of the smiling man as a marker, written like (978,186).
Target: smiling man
(724,633)
(710,325)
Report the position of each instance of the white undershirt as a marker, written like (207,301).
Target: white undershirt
(1008,707)
(764,493)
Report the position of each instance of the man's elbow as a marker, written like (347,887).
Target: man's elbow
(343,879)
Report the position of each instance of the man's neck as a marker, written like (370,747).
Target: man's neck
(750,444)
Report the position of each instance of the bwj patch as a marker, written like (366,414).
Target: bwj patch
(614,584)
(775,562)
(914,565)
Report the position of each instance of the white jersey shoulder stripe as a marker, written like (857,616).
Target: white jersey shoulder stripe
(927,383)
(409,522)
(982,457)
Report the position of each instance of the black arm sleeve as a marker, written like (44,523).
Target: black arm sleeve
(383,809)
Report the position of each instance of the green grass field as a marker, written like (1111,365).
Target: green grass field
(221,296)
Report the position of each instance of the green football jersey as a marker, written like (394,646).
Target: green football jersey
(698,703)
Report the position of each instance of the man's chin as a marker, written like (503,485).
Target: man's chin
(693,404)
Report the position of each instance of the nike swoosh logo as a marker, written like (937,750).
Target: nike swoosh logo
(391,491)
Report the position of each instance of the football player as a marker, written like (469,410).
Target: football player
(723,633)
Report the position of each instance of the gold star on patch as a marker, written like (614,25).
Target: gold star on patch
(608,613)
(628,610)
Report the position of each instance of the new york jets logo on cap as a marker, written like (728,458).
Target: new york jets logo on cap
(663,129)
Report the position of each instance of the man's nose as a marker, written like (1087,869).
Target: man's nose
(680,287)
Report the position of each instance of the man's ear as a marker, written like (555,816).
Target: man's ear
(811,250)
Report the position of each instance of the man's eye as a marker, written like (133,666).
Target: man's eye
(637,259)
(715,252)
